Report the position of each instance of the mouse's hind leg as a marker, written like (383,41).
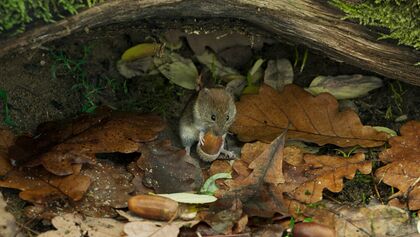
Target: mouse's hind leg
(189,136)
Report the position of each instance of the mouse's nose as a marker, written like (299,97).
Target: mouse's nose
(217,131)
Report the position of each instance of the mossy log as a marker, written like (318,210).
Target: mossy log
(313,23)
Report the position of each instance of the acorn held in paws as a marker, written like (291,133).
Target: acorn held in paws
(211,148)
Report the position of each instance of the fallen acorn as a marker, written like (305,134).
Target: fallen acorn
(210,150)
(154,207)
(312,229)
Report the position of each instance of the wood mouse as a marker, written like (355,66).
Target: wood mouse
(213,110)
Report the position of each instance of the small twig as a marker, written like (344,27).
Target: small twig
(23,226)
(167,223)
(333,199)
(410,188)
(375,187)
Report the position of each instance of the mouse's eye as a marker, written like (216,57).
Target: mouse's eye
(213,117)
(227,118)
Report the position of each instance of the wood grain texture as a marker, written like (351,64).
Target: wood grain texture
(313,23)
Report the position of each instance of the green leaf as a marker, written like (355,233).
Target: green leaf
(278,73)
(190,198)
(141,51)
(344,86)
(252,89)
(180,71)
(256,66)
(385,129)
(210,186)
(217,69)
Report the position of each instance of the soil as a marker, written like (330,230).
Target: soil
(36,96)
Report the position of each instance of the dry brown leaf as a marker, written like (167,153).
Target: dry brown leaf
(168,169)
(405,176)
(6,140)
(94,191)
(59,145)
(403,172)
(223,216)
(305,183)
(38,186)
(241,224)
(74,225)
(305,175)
(148,228)
(406,146)
(266,169)
(314,119)
(139,226)
(375,220)
(322,172)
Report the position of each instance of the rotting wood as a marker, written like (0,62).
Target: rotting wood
(313,23)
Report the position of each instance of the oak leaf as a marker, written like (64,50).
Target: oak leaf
(39,186)
(313,119)
(373,220)
(60,145)
(266,169)
(305,178)
(403,170)
(322,172)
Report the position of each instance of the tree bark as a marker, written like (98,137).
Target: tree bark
(313,23)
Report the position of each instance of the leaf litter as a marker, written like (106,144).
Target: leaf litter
(57,168)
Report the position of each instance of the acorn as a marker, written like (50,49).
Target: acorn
(154,207)
(211,148)
(312,229)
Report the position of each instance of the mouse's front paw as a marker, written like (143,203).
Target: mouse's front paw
(229,154)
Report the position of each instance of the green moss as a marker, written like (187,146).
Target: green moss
(400,17)
(16,14)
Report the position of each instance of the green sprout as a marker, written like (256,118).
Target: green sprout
(346,154)
(7,119)
(297,58)
(90,87)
